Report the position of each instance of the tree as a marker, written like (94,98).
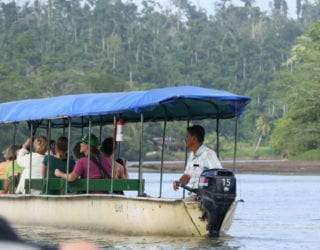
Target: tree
(302,130)
(60,47)
(263,129)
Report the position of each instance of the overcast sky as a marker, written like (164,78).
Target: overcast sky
(208,5)
(265,5)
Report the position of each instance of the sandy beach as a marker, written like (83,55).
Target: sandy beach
(265,167)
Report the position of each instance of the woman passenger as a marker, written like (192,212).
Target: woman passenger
(120,165)
(40,146)
(99,164)
(120,170)
(12,167)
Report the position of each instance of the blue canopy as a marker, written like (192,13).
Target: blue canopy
(172,103)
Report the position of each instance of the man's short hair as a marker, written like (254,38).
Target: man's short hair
(197,131)
(107,146)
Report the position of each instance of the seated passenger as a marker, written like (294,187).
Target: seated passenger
(4,164)
(121,165)
(99,165)
(76,151)
(40,146)
(120,170)
(52,147)
(57,161)
(12,168)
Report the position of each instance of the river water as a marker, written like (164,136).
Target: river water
(278,212)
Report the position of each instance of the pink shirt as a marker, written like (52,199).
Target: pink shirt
(80,168)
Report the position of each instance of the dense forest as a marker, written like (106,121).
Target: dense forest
(59,47)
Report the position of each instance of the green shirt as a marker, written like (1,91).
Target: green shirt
(17,169)
(56,163)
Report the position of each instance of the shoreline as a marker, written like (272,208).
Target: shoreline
(252,167)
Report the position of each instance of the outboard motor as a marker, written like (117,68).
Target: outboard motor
(217,191)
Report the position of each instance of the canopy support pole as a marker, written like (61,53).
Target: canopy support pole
(186,157)
(12,182)
(68,154)
(114,145)
(235,144)
(140,156)
(162,155)
(30,152)
(48,155)
(89,155)
(217,135)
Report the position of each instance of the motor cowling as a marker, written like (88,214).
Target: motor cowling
(217,191)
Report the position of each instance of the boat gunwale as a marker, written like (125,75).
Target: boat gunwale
(93,196)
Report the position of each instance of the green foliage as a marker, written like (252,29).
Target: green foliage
(265,153)
(280,135)
(311,155)
(98,82)
(246,151)
(299,131)
(56,47)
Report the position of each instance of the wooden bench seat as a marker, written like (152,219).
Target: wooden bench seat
(80,186)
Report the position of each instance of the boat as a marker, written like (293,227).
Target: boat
(211,214)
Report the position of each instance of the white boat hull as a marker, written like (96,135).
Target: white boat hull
(110,214)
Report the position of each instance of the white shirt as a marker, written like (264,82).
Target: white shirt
(23,159)
(204,158)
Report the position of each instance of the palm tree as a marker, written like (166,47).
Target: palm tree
(263,128)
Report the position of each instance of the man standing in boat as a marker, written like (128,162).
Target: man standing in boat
(200,158)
